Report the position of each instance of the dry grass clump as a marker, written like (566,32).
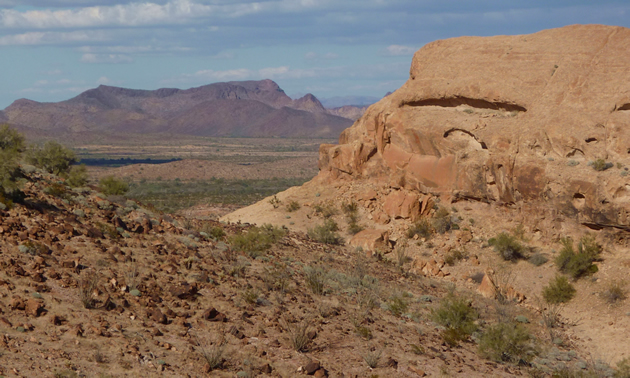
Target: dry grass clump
(372,357)
(453,256)
(316,279)
(507,342)
(298,334)
(257,239)
(293,206)
(87,285)
(351,211)
(615,292)
(422,228)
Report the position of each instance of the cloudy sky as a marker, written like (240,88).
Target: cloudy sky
(51,50)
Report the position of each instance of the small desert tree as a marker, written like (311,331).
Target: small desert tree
(53,158)
(11,147)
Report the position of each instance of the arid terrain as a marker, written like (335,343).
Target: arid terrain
(472,223)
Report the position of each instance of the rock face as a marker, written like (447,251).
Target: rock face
(514,120)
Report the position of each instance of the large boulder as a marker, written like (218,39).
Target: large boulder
(504,120)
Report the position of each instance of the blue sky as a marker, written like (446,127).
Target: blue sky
(51,50)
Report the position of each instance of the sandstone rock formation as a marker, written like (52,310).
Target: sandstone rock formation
(512,120)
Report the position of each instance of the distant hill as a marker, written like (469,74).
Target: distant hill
(358,101)
(238,109)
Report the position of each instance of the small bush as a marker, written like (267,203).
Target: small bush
(111,185)
(578,263)
(422,228)
(508,246)
(11,147)
(623,368)
(614,293)
(316,279)
(52,157)
(326,210)
(257,239)
(277,278)
(326,233)
(293,206)
(458,316)
(373,357)
(442,222)
(87,286)
(559,290)
(398,304)
(506,342)
(77,176)
(538,259)
(275,202)
(453,256)
(298,334)
(600,165)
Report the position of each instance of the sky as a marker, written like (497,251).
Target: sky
(52,50)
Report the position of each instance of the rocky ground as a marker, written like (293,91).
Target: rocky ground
(96,286)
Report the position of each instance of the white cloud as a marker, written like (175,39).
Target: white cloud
(104,80)
(106,58)
(313,56)
(399,50)
(49,38)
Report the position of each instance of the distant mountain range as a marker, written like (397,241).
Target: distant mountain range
(231,109)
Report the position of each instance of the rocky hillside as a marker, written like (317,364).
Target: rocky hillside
(497,134)
(101,286)
(246,109)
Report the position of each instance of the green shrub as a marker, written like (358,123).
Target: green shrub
(623,368)
(325,233)
(111,185)
(442,222)
(600,165)
(11,147)
(52,157)
(578,263)
(538,259)
(508,246)
(458,316)
(293,206)
(559,290)
(422,228)
(453,256)
(507,342)
(77,176)
(257,239)
(398,304)
(326,210)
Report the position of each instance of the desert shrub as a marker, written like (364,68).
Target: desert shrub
(277,278)
(578,263)
(326,210)
(87,285)
(77,176)
(257,239)
(11,147)
(52,157)
(614,293)
(458,316)
(398,303)
(293,206)
(275,202)
(508,246)
(442,221)
(316,278)
(351,211)
(111,185)
(298,334)
(559,290)
(623,368)
(538,259)
(325,233)
(453,256)
(422,228)
(373,357)
(600,165)
(507,342)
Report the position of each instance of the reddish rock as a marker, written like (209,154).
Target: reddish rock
(311,367)
(487,288)
(34,307)
(213,315)
(371,240)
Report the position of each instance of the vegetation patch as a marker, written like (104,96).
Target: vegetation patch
(458,316)
(256,240)
(559,290)
(507,342)
(326,233)
(508,246)
(579,263)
